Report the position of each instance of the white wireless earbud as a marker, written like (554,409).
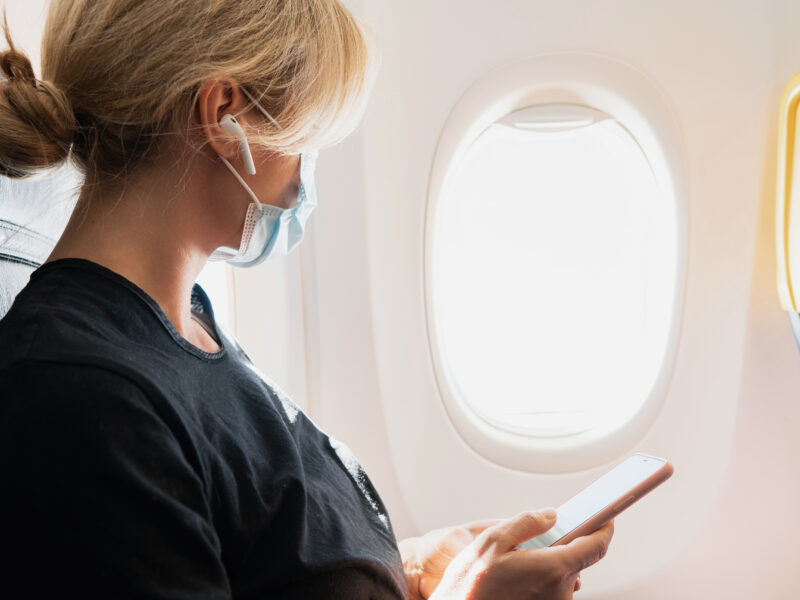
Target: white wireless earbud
(231,125)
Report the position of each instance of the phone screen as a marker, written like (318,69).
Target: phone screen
(611,487)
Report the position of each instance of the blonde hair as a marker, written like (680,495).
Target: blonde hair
(120,75)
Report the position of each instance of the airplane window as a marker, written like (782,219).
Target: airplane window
(554,266)
(215,280)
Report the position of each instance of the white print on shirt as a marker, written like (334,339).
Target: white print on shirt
(356,471)
(289,407)
(346,456)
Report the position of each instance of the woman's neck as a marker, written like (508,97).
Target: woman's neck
(146,233)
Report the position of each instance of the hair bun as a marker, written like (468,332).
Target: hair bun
(36,121)
(16,66)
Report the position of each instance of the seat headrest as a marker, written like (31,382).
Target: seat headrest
(33,214)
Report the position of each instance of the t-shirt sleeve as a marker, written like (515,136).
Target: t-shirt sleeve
(98,496)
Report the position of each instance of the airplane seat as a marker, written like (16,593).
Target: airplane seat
(32,217)
(14,274)
(22,250)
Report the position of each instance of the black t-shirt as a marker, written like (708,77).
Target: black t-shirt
(136,465)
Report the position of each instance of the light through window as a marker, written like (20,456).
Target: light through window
(554,272)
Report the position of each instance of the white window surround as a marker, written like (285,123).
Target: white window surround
(630,98)
(216,279)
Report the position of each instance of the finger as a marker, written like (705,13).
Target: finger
(520,528)
(478,527)
(584,551)
(577,583)
(474,528)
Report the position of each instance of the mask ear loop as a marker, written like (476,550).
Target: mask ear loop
(240,179)
(252,211)
(259,107)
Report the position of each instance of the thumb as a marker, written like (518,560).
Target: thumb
(522,527)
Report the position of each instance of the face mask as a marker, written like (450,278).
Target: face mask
(271,232)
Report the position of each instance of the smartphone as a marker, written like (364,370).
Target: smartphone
(604,499)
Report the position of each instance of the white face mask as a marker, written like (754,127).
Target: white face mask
(271,232)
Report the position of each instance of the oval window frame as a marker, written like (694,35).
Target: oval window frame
(631,98)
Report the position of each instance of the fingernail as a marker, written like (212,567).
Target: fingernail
(549,513)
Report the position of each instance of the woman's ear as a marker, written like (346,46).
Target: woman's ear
(217,98)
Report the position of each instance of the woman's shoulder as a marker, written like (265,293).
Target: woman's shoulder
(64,407)
(59,392)
(74,310)
(73,408)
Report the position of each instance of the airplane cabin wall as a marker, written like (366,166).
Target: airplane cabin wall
(721,66)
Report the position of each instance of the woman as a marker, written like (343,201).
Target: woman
(143,455)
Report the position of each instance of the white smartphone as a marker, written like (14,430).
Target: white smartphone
(604,499)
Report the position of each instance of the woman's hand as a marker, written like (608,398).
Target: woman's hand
(425,558)
(490,566)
